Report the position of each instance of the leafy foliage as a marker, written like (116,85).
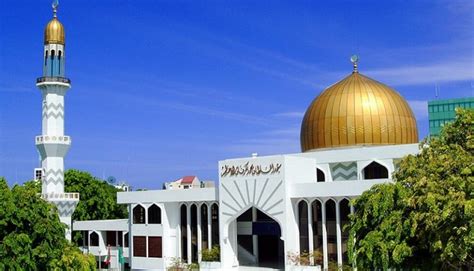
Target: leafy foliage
(211,255)
(73,259)
(31,234)
(425,219)
(98,198)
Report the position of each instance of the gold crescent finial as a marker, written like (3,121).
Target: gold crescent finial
(355,61)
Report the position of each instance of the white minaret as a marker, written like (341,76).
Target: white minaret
(53,144)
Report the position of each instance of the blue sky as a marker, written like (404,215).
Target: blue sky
(163,89)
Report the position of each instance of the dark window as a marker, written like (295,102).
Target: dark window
(184,233)
(303,225)
(375,171)
(86,240)
(344,210)
(215,224)
(138,215)
(320,175)
(204,226)
(154,214)
(246,216)
(139,246)
(120,238)
(154,247)
(125,240)
(194,251)
(112,238)
(331,229)
(46,58)
(316,223)
(94,239)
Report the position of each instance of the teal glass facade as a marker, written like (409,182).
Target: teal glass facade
(443,111)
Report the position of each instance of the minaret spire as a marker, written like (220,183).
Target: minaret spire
(53,144)
(355,62)
(55,5)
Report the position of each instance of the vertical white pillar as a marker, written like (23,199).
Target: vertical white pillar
(209,227)
(310,234)
(325,236)
(199,233)
(188,232)
(255,237)
(338,235)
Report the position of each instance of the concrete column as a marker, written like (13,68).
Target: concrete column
(310,234)
(188,231)
(255,237)
(338,235)
(325,236)
(209,227)
(199,233)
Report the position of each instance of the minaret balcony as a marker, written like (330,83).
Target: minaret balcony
(60,196)
(47,139)
(53,79)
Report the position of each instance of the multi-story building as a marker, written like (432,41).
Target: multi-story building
(442,111)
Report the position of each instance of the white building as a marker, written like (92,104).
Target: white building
(263,209)
(266,208)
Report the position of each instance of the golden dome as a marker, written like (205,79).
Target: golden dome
(54,32)
(357,111)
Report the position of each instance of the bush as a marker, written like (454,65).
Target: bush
(211,255)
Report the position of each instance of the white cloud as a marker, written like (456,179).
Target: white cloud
(291,114)
(450,71)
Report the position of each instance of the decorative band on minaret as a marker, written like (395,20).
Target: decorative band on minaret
(52,144)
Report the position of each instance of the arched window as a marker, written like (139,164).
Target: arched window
(344,210)
(59,61)
(52,62)
(215,224)
(138,215)
(331,229)
(46,58)
(303,226)
(194,251)
(154,214)
(94,239)
(375,171)
(317,226)
(320,175)
(204,226)
(184,232)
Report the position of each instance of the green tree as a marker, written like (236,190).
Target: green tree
(425,219)
(73,259)
(98,199)
(31,234)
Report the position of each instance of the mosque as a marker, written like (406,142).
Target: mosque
(264,209)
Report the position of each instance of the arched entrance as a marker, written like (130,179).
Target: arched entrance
(259,240)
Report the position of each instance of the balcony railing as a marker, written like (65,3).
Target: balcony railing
(60,196)
(53,79)
(53,139)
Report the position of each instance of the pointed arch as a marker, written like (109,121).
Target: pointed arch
(139,214)
(94,239)
(303,226)
(215,224)
(154,214)
(320,175)
(184,232)
(374,170)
